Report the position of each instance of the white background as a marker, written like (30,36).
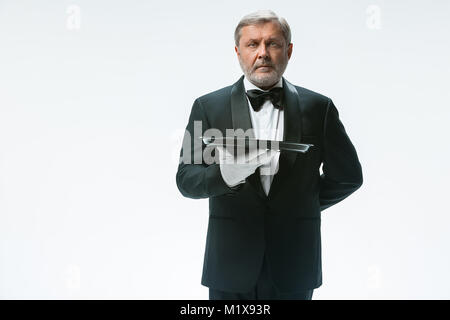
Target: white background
(94,99)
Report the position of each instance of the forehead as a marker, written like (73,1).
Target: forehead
(262,30)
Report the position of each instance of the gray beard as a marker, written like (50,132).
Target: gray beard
(267,80)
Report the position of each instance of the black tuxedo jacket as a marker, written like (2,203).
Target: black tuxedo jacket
(244,223)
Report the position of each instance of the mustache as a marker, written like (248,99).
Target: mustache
(263,65)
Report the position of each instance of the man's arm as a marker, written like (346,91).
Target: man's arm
(199,180)
(342,173)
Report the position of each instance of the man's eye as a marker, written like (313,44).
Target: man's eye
(252,45)
(274,44)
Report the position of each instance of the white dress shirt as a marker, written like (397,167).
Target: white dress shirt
(268,124)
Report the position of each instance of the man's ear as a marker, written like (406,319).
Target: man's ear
(237,51)
(290,50)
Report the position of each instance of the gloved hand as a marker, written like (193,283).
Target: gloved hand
(236,168)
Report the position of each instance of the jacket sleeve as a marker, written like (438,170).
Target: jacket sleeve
(196,179)
(342,173)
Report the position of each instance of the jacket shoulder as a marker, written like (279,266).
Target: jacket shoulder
(312,95)
(214,97)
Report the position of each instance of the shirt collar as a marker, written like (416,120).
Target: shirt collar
(249,86)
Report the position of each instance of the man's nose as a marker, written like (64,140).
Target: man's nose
(262,52)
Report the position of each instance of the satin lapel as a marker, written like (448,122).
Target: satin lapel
(291,133)
(240,116)
(239,107)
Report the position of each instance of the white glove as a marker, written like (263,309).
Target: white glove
(236,168)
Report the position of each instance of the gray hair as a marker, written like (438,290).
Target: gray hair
(262,16)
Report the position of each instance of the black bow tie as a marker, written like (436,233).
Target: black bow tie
(258,97)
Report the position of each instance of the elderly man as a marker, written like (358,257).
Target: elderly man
(263,239)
